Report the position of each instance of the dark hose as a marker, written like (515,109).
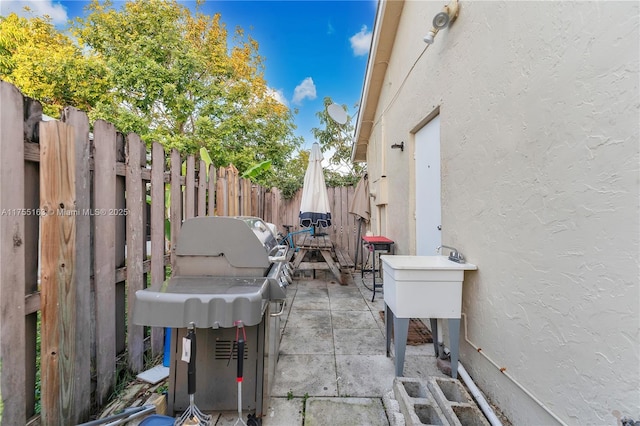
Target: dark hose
(191,369)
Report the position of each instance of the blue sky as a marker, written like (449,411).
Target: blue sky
(313,49)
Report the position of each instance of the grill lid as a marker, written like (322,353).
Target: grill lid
(245,242)
(222,274)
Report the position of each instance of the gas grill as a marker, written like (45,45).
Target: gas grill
(228,272)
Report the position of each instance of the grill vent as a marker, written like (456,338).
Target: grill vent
(224,348)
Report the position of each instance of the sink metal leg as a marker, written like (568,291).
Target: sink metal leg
(434,334)
(400,332)
(388,323)
(454,341)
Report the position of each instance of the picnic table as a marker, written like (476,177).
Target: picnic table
(307,243)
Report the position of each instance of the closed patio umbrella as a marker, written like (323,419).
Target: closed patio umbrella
(360,207)
(314,207)
(360,203)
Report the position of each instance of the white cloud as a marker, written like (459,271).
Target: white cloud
(278,95)
(361,42)
(304,90)
(56,11)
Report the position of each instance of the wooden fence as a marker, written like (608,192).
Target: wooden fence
(74,228)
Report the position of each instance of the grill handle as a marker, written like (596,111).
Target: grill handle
(284,303)
(281,254)
(240,358)
(191,368)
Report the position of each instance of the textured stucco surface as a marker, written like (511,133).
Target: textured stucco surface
(539,109)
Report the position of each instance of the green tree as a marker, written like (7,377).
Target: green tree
(175,79)
(290,178)
(48,66)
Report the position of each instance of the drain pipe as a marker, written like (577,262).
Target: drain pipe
(482,402)
(477,394)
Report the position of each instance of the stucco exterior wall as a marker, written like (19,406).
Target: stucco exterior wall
(539,108)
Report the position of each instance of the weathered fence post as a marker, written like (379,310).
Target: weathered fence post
(222,193)
(57,199)
(135,247)
(82,275)
(175,215)
(33,113)
(202,189)
(12,261)
(190,188)
(233,186)
(157,233)
(212,190)
(104,256)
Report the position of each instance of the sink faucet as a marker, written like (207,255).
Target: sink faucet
(454,255)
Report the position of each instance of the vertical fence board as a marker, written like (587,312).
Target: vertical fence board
(80,122)
(222,193)
(190,188)
(104,258)
(121,241)
(135,247)
(245,185)
(157,233)
(175,216)
(31,235)
(212,190)
(202,189)
(255,197)
(12,257)
(234,189)
(344,222)
(58,295)
(32,116)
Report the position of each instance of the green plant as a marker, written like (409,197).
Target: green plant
(304,404)
(289,395)
(124,376)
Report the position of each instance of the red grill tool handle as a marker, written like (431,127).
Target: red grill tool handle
(191,369)
(240,358)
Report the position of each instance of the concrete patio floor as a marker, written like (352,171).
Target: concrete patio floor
(332,368)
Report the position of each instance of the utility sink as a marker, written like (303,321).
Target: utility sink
(423,286)
(203,300)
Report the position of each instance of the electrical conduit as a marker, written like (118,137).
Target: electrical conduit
(503,370)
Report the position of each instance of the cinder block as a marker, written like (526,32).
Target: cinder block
(469,415)
(447,390)
(455,402)
(416,403)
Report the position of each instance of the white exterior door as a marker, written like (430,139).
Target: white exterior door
(428,207)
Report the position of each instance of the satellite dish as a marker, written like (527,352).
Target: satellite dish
(337,113)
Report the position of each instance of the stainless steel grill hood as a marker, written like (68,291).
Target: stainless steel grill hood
(224,272)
